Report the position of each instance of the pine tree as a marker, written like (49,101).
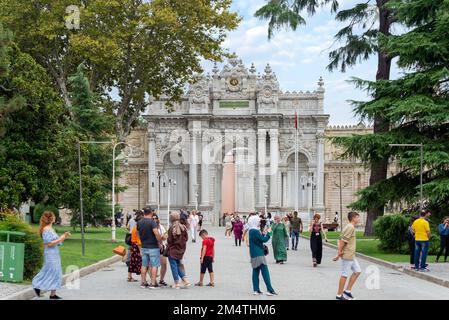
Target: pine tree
(9,100)
(373,18)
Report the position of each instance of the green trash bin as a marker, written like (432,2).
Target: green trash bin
(11,258)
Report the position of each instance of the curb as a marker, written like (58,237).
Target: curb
(28,294)
(419,275)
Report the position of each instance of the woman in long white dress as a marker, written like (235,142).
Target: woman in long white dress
(193,223)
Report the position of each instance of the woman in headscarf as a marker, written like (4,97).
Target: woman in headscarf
(257,253)
(177,242)
(238,230)
(278,241)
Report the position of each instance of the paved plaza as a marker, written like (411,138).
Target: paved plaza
(296,279)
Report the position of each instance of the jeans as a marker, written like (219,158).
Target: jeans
(176,271)
(265,275)
(421,246)
(295,239)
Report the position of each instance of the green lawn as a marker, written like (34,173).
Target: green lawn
(370,248)
(98,245)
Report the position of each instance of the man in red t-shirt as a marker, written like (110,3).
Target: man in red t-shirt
(207,258)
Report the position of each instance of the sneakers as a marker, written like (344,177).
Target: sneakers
(348,295)
(257,293)
(153,286)
(55,297)
(272,293)
(144,285)
(424,270)
(162,283)
(342,297)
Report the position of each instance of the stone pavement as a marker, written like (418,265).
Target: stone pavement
(8,289)
(297,279)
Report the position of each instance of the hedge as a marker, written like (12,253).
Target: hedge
(34,247)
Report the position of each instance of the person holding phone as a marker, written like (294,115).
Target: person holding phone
(50,276)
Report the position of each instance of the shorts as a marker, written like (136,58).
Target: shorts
(348,267)
(207,265)
(151,257)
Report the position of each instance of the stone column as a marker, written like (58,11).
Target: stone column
(320,173)
(192,168)
(261,165)
(274,168)
(152,175)
(205,155)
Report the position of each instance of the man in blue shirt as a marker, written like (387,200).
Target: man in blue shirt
(443,230)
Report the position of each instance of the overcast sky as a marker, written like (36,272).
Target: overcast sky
(300,58)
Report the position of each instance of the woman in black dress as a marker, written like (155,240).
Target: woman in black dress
(135,262)
(316,240)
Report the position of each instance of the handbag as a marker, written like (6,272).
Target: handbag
(121,251)
(265,250)
(128,239)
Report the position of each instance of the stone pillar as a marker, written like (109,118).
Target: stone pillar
(192,168)
(205,155)
(261,162)
(152,175)
(320,173)
(274,168)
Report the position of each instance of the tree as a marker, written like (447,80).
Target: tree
(9,101)
(90,123)
(31,116)
(417,107)
(373,18)
(140,49)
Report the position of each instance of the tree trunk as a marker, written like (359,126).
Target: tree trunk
(380,167)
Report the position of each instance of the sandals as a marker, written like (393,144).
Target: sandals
(210,285)
(199,284)
(132,280)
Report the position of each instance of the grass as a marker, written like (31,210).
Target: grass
(98,245)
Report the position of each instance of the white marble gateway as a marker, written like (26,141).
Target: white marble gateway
(236,111)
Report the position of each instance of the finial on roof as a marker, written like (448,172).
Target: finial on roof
(253,68)
(215,69)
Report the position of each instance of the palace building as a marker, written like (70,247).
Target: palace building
(229,146)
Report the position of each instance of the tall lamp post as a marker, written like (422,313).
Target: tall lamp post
(420,145)
(138,183)
(83,242)
(341,186)
(195,187)
(170,183)
(113,185)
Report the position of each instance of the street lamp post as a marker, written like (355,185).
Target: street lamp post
(170,183)
(83,242)
(420,145)
(138,192)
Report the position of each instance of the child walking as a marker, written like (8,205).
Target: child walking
(350,268)
(207,258)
